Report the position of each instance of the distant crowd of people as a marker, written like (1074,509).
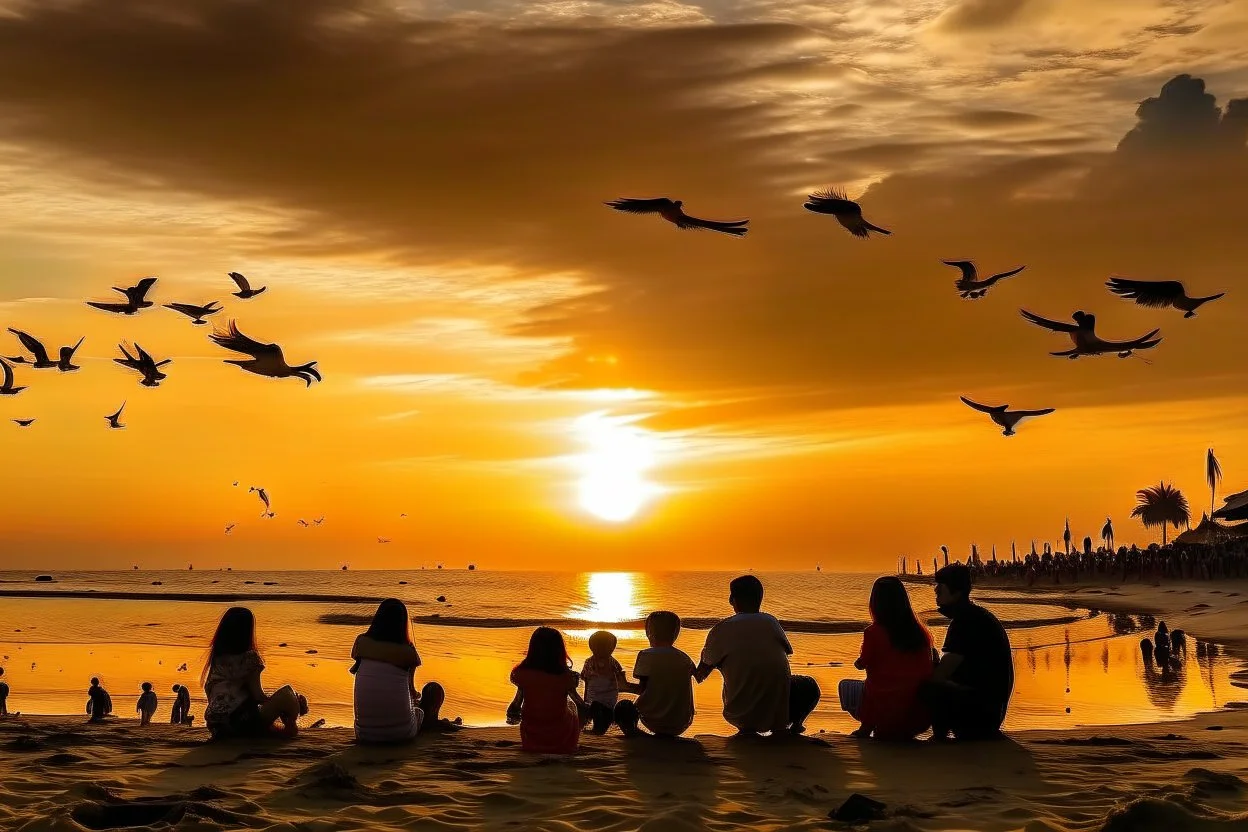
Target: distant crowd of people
(1175,561)
(909,687)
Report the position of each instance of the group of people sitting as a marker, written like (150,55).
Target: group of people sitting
(910,687)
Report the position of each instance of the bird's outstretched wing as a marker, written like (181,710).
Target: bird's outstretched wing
(982,408)
(832,198)
(8,373)
(32,344)
(264,497)
(1144,342)
(967,267)
(110,307)
(1029,414)
(1056,326)
(241,281)
(1004,275)
(139,291)
(642,206)
(737,228)
(73,349)
(189,309)
(234,340)
(1153,293)
(117,415)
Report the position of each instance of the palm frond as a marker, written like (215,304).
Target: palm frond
(1213,471)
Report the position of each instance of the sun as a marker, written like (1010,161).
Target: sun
(613,484)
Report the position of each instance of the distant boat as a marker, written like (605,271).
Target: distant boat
(818,567)
(43,579)
(472,567)
(190,567)
(344,567)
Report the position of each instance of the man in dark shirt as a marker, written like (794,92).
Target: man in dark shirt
(970,690)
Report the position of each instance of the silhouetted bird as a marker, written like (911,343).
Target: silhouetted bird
(136,298)
(7,389)
(39,355)
(24,423)
(1158,294)
(114,421)
(144,364)
(671,211)
(195,313)
(267,359)
(383,540)
(302,522)
(230,528)
(319,520)
(847,212)
(1003,416)
(1083,335)
(245,291)
(969,286)
(264,498)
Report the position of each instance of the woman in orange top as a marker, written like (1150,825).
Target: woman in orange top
(897,656)
(551,711)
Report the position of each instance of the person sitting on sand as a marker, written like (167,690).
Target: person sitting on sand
(237,703)
(4,694)
(752,653)
(897,657)
(147,704)
(99,703)
(604,679)
(970,690)
(552,714)
(664,676)
(181,713)
(388,708)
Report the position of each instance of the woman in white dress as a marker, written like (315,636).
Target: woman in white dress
(388,708)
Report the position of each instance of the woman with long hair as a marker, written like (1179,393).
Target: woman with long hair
(388,707)
(897,656)
(237,703)
(552,713)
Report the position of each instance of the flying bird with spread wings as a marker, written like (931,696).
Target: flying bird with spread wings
(848,213)
(230,528)
(7,389)
(1003,416)
(24,423)
(245,292)
(969,285)
(136,298)
(39,354)
(673,212)
(114,421)
(143,363)
(383,540)
(264,498)
(194,312)
(1086,342)
(266,359)
(1159,294)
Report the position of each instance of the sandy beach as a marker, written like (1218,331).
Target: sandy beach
(57,773)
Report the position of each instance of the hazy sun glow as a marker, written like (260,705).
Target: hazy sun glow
(610,597)
(613,484)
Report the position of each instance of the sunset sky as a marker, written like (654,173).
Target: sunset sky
(540,382)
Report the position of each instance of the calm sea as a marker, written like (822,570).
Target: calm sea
(1074,667)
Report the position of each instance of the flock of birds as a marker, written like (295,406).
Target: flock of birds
(263,359)
(1085,342)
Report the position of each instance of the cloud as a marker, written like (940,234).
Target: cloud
(1185,118)
(982,14)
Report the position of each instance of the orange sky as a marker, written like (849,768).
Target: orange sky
(507,361)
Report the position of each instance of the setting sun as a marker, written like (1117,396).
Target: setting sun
(613,485)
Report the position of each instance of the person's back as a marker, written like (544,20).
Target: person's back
(988,663)
(890,699)
(549,719)
(147,704)
(4,694)
(99,703)
(666,704)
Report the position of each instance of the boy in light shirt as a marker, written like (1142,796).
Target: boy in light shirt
(664,676)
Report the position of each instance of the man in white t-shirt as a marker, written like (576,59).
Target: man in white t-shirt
(664,676)
(751,652)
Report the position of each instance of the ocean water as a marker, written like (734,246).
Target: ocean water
(1073,667)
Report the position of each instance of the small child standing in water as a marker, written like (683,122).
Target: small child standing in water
(147,704)
(99,703)
(604,679)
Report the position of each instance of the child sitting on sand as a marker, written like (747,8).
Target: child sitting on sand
(147,704)
(4,695)
(550,708)
(237,703)
(604,679)
(99,703)
(664,674)
(388,707)
(181,713)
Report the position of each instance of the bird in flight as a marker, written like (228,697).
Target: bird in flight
(230,528)
(39,353)
(847,212)
(1159,294)
(144,364)
(24,423)
(1003,416)
(969,285)
(318,521)
(1086,342)
(383,540)
(245,292)
(404,514)
(114,421)
(136,298)
(266,359)
(195,313)
(7,388)
(302,522)
(672,211)
(264,498)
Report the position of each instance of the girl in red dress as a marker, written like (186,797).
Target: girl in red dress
(551,711)
(897,656)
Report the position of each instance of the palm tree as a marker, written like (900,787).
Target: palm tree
(1160,505)
(1213,474)
(1107,534)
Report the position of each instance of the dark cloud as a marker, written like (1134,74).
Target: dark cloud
(990,119)
(1184,118)
(970,15)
